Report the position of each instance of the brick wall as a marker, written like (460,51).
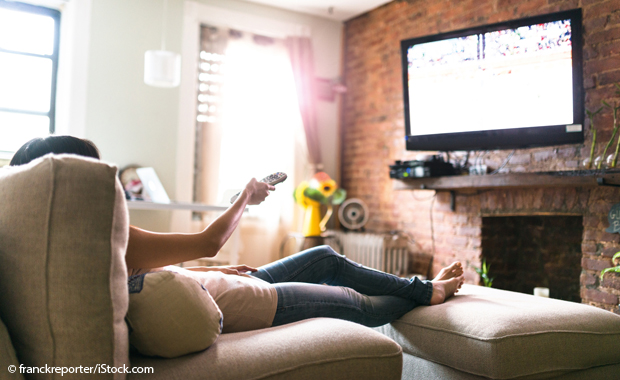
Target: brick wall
(373,136)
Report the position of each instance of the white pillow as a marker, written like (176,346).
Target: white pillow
(171,315)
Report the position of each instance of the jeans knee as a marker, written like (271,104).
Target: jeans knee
(326,250)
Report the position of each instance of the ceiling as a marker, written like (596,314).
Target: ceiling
(339,10)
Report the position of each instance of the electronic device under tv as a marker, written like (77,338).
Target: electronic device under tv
(515,84)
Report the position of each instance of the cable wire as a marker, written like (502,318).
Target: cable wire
(505,162)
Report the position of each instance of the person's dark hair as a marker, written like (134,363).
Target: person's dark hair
(39,147)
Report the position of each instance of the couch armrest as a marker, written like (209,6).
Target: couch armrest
(63,281)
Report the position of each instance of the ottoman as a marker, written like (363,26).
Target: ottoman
(489,333)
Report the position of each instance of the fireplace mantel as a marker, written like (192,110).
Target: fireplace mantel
(579,178)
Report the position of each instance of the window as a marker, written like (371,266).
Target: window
(248,121)
(248,125)
(29,38)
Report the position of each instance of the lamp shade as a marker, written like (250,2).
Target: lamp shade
(162,68)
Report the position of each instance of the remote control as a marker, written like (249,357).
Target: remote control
(272,179)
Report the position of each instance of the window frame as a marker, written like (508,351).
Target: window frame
(56,15)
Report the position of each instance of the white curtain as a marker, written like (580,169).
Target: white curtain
(260,132)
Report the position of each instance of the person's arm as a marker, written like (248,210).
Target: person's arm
(239,270)
(148,249)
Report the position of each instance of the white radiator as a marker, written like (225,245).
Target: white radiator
(387,253)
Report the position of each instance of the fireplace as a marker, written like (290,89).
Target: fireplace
(525,252)
(557,221)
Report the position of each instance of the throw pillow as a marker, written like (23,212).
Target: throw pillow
(171,315)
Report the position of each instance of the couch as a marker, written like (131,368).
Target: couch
(64,297)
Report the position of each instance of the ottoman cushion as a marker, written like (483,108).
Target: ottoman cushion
(507,335)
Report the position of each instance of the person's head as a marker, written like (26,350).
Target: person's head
(39,147)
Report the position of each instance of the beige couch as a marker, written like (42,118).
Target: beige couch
(63,299)
(64,296)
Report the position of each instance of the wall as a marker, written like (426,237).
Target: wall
(133,123)
(373,134)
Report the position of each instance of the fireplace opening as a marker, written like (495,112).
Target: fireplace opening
(525,252)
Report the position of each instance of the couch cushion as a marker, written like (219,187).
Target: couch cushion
(313,349)
(171,315)
(508,335)
(63,280)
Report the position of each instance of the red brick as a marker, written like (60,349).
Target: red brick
(611,280)
(597,265)
(591,235)
(609,49)
(587,279)
(469,231)
(603,36)
(610,251)
(588,248)
(598,296)
(610,238)
(602,8)
(609,77)
(601,65)
(594,24)
(591,2)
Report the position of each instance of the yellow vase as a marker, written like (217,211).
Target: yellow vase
(312,220)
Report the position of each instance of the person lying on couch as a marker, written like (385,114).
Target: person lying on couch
(285,291)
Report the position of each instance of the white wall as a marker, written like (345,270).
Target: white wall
(133,123)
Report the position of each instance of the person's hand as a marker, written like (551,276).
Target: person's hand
(257,191)
(239,270)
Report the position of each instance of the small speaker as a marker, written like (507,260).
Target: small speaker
(353,214)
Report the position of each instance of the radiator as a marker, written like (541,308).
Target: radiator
(387,253)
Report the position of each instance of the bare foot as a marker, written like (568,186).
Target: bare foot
(453,270)
(444,289)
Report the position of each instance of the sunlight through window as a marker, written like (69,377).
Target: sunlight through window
(26,32)
(28,64)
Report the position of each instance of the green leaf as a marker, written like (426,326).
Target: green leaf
(608,270)
(616,256)
(592,114)
(606,104)
(314,194)
(339,196)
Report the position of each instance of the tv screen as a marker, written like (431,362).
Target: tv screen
(516,84)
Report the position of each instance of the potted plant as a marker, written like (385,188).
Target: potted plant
(615,269)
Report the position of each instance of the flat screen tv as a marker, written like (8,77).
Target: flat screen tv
(515,84)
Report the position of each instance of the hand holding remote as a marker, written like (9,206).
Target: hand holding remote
(270,180)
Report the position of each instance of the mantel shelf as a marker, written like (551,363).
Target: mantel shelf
(578,178)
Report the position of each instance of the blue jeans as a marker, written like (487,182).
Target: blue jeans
(357,293)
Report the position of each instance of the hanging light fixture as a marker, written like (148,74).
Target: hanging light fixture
(162,68)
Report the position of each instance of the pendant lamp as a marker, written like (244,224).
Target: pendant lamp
(162,68)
